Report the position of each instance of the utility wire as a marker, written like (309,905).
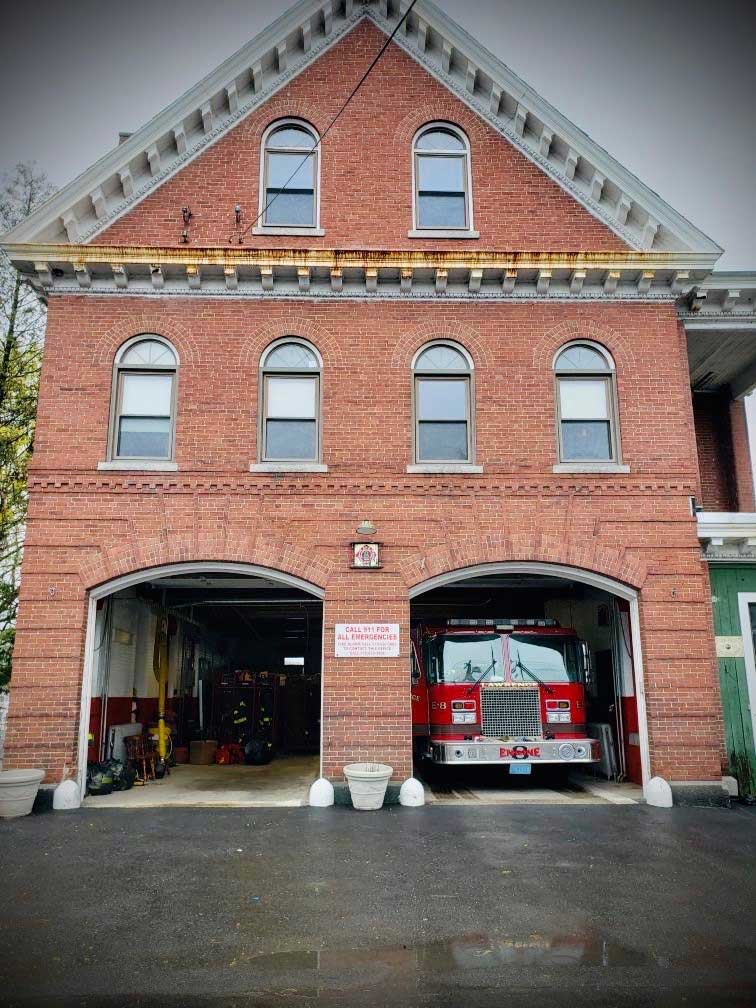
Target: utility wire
(332,123)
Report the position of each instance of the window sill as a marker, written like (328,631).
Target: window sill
(138,465)
(590,467)
(312,232)
(445,468)
(442,233)
(288,467)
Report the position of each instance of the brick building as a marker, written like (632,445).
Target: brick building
(247,334)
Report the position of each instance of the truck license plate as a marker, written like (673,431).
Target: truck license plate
(523,768)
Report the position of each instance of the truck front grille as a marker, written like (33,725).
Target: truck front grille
(511,712)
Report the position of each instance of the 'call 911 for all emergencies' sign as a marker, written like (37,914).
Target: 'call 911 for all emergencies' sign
(367,640)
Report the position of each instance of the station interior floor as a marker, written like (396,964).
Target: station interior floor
(285,783)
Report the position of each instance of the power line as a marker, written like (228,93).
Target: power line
(330,126)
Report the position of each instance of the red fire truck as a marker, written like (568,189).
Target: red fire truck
(501,691)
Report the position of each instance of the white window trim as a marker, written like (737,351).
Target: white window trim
(288,467)
(137,463)
(261,228)
(444,233)
(590,467)
(468,231)
(262,464)
(615,463)
(746,599)
(419,465)
(448,468)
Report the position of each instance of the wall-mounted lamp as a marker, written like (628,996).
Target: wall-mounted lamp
(185,237)
(366,528)
(237,214)
(187,214)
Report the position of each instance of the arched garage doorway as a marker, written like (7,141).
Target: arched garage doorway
(570,634)
(232,654)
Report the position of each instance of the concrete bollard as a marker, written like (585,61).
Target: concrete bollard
(321,793)
(411,793)
(658,793)
(66,796)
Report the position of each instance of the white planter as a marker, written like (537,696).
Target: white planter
(18,789)
(367,783)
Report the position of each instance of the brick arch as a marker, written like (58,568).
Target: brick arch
(290,325)
(206,546)
(577,329)
(287,108)
(590,556)
(110,341)
(411,341)
(452,112)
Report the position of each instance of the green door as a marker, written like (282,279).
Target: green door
(734,596)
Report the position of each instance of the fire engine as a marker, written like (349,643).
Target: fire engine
(501,691)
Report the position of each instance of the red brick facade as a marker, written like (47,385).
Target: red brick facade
(87,527)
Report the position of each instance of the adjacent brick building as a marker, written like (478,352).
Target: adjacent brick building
(559,247)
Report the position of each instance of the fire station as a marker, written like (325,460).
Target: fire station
(397,425)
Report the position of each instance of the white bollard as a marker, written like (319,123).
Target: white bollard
(66,796)
(321,793)
(411,793)
(730,785)
(658,793)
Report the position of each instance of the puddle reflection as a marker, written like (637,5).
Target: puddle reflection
(468,952)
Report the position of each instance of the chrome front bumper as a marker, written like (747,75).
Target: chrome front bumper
(516,751)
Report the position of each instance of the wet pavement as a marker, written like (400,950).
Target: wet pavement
(447,905)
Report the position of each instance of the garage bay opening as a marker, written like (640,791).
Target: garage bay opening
(523,683)
(206,690)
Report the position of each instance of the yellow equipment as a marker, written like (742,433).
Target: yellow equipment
(160,668)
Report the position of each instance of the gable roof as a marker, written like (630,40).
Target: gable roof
(117,182)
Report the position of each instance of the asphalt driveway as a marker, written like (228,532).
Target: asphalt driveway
(445,905)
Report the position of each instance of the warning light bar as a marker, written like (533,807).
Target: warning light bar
(505,622)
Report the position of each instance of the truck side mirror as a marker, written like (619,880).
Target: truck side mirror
(587,663)
(414,671)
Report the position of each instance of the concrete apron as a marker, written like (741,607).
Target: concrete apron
(283,783)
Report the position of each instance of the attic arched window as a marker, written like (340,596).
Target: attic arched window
(441,166)
(586,404)
(290,176)
(290,395)
(442,376)
(144,400)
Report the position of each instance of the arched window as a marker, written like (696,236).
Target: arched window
(289,184)
(144,400)
(586,404)
(441,157)
(442,398)
(290,396)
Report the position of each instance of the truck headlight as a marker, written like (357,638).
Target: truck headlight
(463,717)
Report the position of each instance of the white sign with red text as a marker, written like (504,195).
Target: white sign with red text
(367,640)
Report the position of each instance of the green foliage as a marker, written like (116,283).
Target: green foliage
(22,326)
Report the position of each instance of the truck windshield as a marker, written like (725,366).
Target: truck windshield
(463,658)
(551,659)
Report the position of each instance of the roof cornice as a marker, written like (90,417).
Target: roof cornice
(727,536)
(253,272)
(153,154)
(723,301)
